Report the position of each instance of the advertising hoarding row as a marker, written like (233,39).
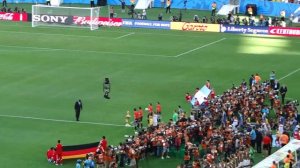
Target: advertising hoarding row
(184,26)
(13,16)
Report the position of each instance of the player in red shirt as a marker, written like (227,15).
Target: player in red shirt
(141,113)
(103,144)
(158,111)
(50,155)
(150,108)
(188,97)
(212,94)
(136,118)
(59,151)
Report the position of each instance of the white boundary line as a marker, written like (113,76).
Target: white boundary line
(63,121)
(125,35)
(291,73)
(87,51)
(179,55)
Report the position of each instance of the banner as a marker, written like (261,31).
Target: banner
(146,24)
(201,94)
(283,31)
(13,16)
(185,26)
(101,21)
(243,29)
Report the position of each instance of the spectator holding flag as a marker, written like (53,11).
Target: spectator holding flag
(59,152)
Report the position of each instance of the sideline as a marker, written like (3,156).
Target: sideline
(87,51)
(63,121)
(291,73)
(179,55)
(125,35)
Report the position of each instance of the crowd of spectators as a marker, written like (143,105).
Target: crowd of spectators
(223,131)
(10,10)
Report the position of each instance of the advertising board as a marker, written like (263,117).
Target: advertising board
(203,27)
(243,29)
(146,24)
(284,31)
(13,16)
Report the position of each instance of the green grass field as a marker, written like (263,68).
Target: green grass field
(44,70)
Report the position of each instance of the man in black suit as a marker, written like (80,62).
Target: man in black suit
(78,108)
(283,89)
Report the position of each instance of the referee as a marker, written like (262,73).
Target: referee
(106,88)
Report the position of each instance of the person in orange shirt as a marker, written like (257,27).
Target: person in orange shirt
(136,119)
(150,108)
(257,78)
(274,165)
(141,114)
(186,158)
(291,156)
(284,139)
(287,159)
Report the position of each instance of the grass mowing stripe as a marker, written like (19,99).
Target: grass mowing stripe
(289,74)
(52,34)
(179,55)
(87,51)
(65,121)
(125,35)
(121,30)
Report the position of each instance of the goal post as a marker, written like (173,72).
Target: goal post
(43,15)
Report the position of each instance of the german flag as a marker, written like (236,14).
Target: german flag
(79,151)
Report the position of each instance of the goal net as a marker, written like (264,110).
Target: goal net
(43,15)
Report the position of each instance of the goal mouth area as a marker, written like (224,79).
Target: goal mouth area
(43,15)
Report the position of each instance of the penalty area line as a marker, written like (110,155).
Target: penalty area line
(289,74)
(63,121)
(179,55)
(124,35)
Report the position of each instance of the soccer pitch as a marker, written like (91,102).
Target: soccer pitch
(45,70)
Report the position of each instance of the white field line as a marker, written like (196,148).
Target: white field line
(86,51)
(63,121)
(206,45)
(289,74)
(125,35)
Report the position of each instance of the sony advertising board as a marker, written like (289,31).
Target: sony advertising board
(55,19)
(146,24)
(243,29)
